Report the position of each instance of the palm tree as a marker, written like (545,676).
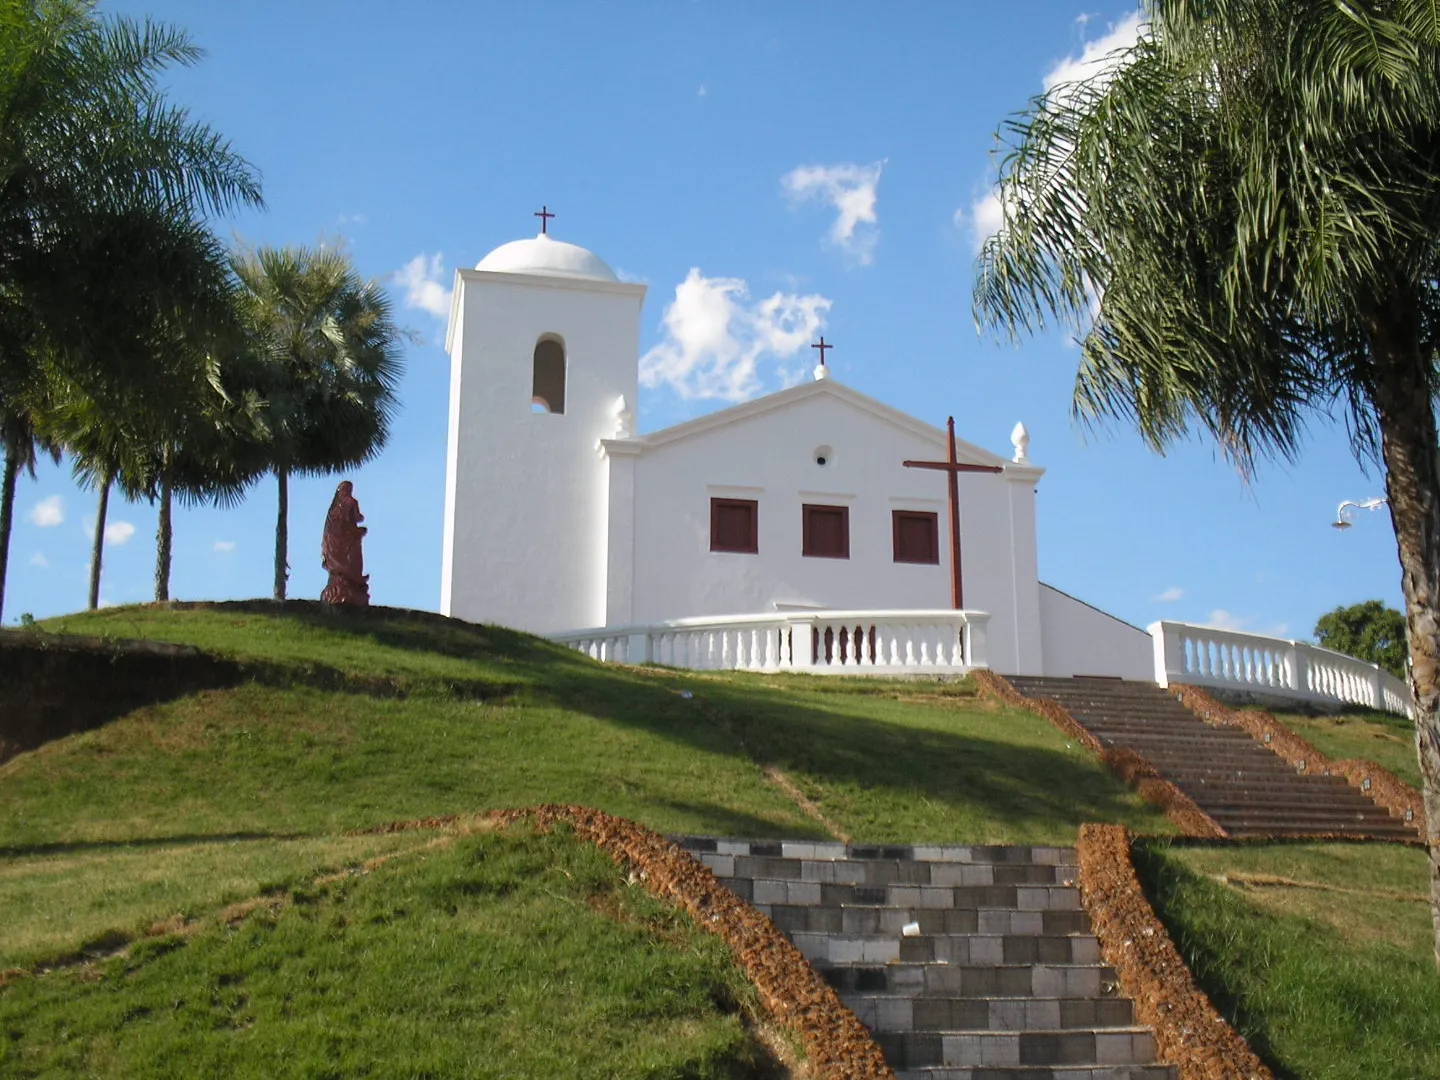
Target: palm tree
(1243,222)
(93,164)
(22,445)
(328,353)
(202,445)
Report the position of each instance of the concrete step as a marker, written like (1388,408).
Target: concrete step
(973,981)
(1115,1046)
(1042,1072)
(1004,979)
(823,850)
(887,871)
(965,950)
(891,1012)
(1236,779)
(861,919)
(913,897)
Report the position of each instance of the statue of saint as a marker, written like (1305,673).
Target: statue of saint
(340,551)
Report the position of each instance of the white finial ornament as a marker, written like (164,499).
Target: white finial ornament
(821,371)
(624,418)
(1020,439)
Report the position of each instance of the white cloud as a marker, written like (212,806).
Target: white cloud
(1221,619)
(717,340)
(851,191)
(1096,63)
(985,218)
(1170,595)
(117,532)
(48,512)
(224,547)
(423,279)
(1098,59)
(39,560)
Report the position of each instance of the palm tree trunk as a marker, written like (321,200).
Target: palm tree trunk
(282,534)
(163,536)
(7,517)
(97,548)
(1409,445)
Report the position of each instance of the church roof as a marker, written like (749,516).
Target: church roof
(547,257)
(967,453)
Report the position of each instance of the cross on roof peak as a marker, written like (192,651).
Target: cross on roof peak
(822,346)
(544,215)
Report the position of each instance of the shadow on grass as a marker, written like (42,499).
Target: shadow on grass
(148,842)
(887,770)
(1171,889)
(841,748)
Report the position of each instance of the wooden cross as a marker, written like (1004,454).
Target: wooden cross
(822,347)
(953,468)
(544,215)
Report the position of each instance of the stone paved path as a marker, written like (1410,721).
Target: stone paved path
(998,977)
(1248,789)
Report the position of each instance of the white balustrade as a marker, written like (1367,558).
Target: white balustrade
(1234,660)
(819,642)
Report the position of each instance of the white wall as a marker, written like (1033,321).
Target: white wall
(771,458)
(526,493)
(1081,640)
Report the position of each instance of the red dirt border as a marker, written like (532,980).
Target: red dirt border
(1386,789)
(1188,1031)
(1132,767)
(838,1045)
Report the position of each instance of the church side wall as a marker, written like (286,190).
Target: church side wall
(528,525)
(1024,563)
(1081,640)
(771,458)
(452,455)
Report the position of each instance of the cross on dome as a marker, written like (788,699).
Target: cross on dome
(544,215)
(822,346)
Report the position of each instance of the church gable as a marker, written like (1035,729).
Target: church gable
(866,412)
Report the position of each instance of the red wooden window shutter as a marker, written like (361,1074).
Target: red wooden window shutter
(826,531)
(917,536)
(734,525)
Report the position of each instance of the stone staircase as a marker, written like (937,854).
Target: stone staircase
(998,977)
(1234,778)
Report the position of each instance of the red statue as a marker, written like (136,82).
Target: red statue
(340,552)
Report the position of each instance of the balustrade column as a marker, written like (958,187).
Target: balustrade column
(802,648)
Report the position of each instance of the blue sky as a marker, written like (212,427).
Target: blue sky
(800,167)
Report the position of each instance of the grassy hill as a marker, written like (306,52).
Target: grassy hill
(1321,955)
(185,889)
(193,888)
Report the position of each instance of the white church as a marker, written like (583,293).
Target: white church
(783,533)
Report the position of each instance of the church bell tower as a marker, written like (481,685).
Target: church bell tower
(544,344)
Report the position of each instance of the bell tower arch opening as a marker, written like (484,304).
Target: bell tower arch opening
(548,381)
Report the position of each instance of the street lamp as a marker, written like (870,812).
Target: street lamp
(1346,511)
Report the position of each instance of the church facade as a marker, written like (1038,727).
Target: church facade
(560,516)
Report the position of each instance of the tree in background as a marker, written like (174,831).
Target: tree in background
(1241,221)
(326,359)
(1369,631)
(91,158)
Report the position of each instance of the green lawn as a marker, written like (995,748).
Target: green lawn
(885,761)
(138,835)
(506,955)
(1319,954)
(1384,738)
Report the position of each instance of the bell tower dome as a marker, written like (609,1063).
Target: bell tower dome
(543,339)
